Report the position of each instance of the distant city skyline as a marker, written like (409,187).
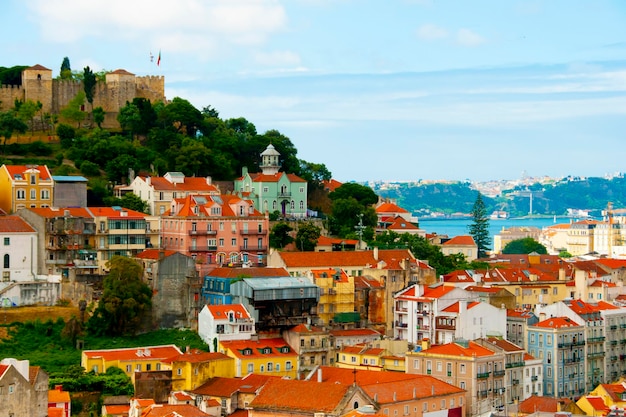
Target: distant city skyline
(400,90)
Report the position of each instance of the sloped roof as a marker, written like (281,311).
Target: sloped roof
(354,332)
(220,311)
(612,263)
(3,369)
(225,387)
(155,254)
(455,308)
(614,390)
(305,328)
(58,396)
(401,224)
(113,213)
(556,323)
(391,257)
(173,410)
(504,344)
(189,184)
(303,396)
(56,412)
(331,185)
(463,240)
(544,404)
(455,349)
(255,347)
(131,354)
(390,208)
(50,212)
(363,282)
(597,403)
(14,224)
(338,275)
(260,177)
(327,241)
(197,356)
(44,173)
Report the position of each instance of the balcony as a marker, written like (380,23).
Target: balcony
(284,194)
(534,378)
(622,342)
(613,358)
(202,248)
(499,373)
(613,342)
(613,327)
(483,375)
(622,326)
(401,325)
(596,339)
(593,355)
(514,364)
(482,393)
(202,232)
(253,232)
(422,327)
(249,248)
(515,381)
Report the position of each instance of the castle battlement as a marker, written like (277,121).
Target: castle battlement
(11,86)
(55,94)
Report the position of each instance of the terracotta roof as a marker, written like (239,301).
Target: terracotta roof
(455,349)
(58,396)
(330,273)
(601,284)
(391,257)
(528,357)
(117,409)
(597,403)
(519,313)
(3,369)
(33,371)
(361,283)
(612,263)
(429,293)
(120,71)
(220,311)
(260,177)
(544,404)
(56,412)
(504,344)
(182,396)
(132,354)
(401,224)
(458,276)
(299,395)
(171,410)
(305,328)
(331,185)
(390,208)
(44,173)
(239,413)
(154,253)
(113,213)
(254,272)
(463,240)
(197,357)
(455,308)
(476,288)
(556,323)
(14,224)
(189,184)
(255,347)
(603,305)
(49,212)
(327,241)
(38,67)
(225,387)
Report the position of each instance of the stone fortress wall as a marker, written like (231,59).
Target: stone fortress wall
(120,86)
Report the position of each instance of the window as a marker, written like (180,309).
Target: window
(21,195)
(270,367)
(233,242)
(266,189)
(6,260)
(138,367)
(11,388)
(262,368)
(250,368)
(128,368)
(95,368)
(288,365)
(179,371)
(45,194)
(278,367)
(149,367)
(7,241)
(462,368)
(33,179)
(33,194)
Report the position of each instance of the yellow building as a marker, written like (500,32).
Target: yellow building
(613,395)
(194,368)
(336,294)
(264,356)
(365,357)
(129,360)
(25,186)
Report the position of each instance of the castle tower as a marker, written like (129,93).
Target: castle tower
(270,163)
(37,86)
(121,87)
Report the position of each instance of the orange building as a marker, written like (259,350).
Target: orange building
(25,186)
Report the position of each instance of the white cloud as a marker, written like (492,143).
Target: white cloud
(184,25)
(431,32)
(466,37)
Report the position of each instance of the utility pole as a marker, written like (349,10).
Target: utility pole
(359,229)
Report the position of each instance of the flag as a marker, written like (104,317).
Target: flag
(159,59)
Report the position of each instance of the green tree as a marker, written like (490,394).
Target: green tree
(362,194)
(89,85)
(479,228)
(66,69)
(9,124)
(307,236)
(73,111)
(129,200)
(26,112)
(280,235)
(125,300)
(524,246)
(66,134)
(98,116)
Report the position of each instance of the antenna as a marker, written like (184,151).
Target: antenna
(359,228)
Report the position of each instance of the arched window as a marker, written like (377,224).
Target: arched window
(7,260)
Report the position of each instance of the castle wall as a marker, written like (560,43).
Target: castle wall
(8,95)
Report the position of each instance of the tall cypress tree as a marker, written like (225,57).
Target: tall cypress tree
(479,228)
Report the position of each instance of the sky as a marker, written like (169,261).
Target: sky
(393,90)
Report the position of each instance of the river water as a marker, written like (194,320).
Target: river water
(456,227)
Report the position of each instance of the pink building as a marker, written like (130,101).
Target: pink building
(216,230)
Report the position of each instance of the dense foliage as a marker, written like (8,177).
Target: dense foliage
(352,211)
(524,246)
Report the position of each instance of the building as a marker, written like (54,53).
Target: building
(271,190)
(514,233)
(560,343)
(461,245)
(129,360)
(159,192)
(517,322)
(225,322)
(60,400)
(23,389)
(361,357)
(69,191)
(18,251)
(216,282)
(352,337)
(336,303)
(193,367)
(271,356)
(475,319)
(175,285)
(25,186)
(477,370)
(216,230)
(312,344)
(230,394)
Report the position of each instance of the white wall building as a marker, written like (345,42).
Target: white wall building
(18,250)
(225,322)
(476,319)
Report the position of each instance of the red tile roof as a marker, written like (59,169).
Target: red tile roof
(248,272)
(612,263)
(220,311)
(401,224)
(597,403)
(463,240)
(455,349)
(58,396)
(260,177)
(391,257)
(305,328)
(14,224)
(535,403)
(197,356)
(327,241)
(455,308)
(225,387)
(3,369)
(56,412)
(354,332)
(112,213)
(331,185)
(13,170)
(133,354)
(361,283)
(390,208)
(337,275)
(189,184)
(504,344)
(49,212)
(301,396)
(173,410)
(182,396)
(556,323)
(255,347)
(117,409)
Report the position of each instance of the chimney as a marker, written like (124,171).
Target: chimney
(561,274)
(425,343)
(375,253)
(319,374)
(209,180)
(58,388)
(149,180)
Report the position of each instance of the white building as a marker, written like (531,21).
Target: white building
(225,322)
(476,319)
(18,252)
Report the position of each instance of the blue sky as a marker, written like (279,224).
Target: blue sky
(376,90)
